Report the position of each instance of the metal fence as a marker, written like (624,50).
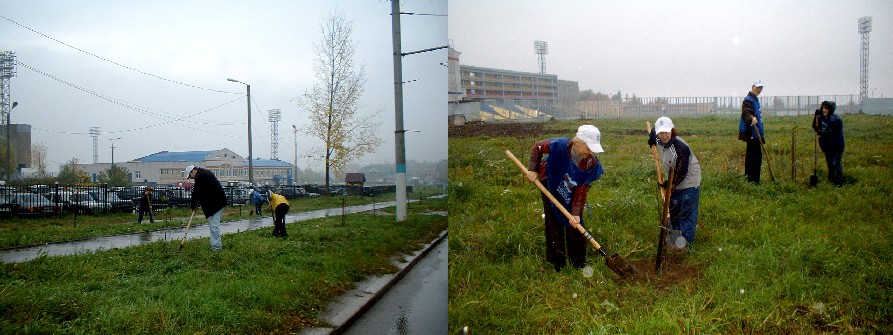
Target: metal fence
(669,106)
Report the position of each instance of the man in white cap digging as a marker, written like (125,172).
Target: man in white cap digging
(568,170)
(208,192)
(750,130)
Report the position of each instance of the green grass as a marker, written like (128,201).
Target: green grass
(15,232)
(770,258)
(257,284)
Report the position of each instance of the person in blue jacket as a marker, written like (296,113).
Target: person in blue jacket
(258,200)
(750,130)
(829,127)
(568,170)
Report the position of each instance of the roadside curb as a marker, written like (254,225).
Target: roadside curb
(342,311)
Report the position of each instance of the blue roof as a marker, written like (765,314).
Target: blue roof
(185,156)
(269,163)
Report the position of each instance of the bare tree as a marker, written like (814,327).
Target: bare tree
(333,101)
(39,160)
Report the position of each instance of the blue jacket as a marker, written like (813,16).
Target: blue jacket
(751,106)
(563,176)
(829,129)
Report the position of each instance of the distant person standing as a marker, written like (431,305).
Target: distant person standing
(750,130)
(829,128)
(208,192)
(279,207)
(146,205)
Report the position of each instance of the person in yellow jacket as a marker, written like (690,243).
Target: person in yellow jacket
(279,207)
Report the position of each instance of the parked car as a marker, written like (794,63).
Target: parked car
(178,197)
(112,202)
(8,208)
(31,204)
(83,202)
(237,195)
(61,198)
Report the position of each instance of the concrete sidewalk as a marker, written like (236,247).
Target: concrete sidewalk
(345,309)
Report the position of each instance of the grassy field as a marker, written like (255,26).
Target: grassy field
(15,232)
(257,285)
(771,258)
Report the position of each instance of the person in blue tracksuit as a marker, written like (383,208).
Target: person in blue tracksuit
(829,127)
(749,125)
(568,170)
(677,154)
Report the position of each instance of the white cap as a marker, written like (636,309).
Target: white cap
(187,170)
(592,136)
(663,125)
(758,83)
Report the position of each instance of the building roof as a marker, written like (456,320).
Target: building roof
(184,156)
(355,178)
(201,156)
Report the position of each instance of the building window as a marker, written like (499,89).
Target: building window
(138,174)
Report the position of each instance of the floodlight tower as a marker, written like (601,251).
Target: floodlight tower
(864,29)
(7,71)
(94,132)
(541,48)
(275,117)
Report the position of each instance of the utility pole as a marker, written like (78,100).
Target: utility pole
(295,168)
(399,132)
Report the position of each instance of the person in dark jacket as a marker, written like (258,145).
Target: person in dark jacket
(568,170)
(676,153)
(146,205)
(750,130)
(208,192)
(829,128)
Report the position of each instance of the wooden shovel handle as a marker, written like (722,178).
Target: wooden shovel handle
(660,175)
(554,201)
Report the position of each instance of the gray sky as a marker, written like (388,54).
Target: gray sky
(683,48)
(267,44)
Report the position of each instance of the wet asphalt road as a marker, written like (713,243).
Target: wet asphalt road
(417,304)
(199,229)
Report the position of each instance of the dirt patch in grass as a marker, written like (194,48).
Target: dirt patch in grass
(675,270)
(497,130)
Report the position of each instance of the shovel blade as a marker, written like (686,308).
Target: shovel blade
(620,266)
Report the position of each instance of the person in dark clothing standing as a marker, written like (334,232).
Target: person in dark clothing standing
(279,207)
(568,170)
(208,192)
(829,128)
(750,130)
(146,205)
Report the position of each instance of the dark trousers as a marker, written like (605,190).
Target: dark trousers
(558,236)
(145,209)
(835,167)
(257,207)
(279,221)
(753,160)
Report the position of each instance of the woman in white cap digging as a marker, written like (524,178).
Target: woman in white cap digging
(675,153)
(568,170)
(209,193)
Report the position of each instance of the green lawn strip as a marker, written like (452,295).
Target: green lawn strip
(257,284)
(15,232)
(773,258)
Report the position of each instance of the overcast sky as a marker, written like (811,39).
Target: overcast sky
(683,48)
(267,44)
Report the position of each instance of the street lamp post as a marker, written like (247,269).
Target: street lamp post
(295,173)
(113,150)
(250,158)
(8,144)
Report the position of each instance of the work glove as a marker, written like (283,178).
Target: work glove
(663,184)
(651,141)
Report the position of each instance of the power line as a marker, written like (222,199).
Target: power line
(113,62)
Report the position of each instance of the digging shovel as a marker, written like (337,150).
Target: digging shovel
(664,223)
(183,242)
(814,179)
(768,161)
(616,263)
